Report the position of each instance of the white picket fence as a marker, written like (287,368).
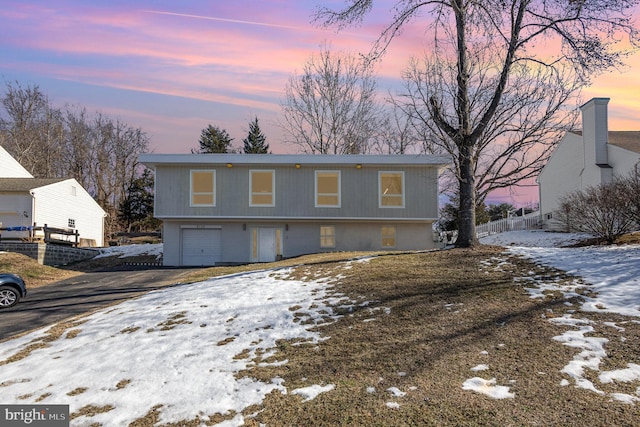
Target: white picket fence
(526,222)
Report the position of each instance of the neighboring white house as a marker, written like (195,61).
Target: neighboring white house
(10,167)
(57,202)
(587,158)
(239,208)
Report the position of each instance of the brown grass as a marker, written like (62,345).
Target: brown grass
(34,274)
(312,259)
(54,333)
(445,310)
(627,239)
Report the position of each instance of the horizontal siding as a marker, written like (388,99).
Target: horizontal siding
(295,192)
(55,204)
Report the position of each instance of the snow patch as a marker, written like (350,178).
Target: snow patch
(488,387)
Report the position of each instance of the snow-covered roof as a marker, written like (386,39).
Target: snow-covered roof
(292,159)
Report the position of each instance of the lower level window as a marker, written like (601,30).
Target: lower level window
(327,236)
(388,236)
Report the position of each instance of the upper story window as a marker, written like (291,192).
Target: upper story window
(327,189)
(203,184)
(262,185)
(391,185)
(71,223)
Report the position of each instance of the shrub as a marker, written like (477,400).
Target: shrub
(632,186)
(602,211)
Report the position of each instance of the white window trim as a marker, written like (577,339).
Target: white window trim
(273,187)
(404,190)
(339,189)
(191,193)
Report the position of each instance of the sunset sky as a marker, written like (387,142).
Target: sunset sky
(172,68)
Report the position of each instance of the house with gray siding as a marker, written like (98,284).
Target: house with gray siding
(586,158)
(240,208)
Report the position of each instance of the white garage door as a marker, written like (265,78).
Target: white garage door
(201,246)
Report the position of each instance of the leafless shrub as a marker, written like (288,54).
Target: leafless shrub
(601,210)
(632,185)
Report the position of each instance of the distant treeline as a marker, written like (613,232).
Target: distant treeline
(100,152)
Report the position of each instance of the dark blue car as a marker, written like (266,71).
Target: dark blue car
(12,289)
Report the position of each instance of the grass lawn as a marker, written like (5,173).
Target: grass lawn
(431,318)
(420,325)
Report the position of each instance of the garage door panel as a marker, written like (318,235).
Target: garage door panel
(201,246)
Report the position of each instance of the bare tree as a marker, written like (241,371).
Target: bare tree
(548,43)
(32,130)
(518,138)
(331,107)
(101,153)
(395,133)
(79,149)
(114,165)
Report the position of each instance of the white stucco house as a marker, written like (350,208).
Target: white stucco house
(587,158)
(26,202)
(241,208)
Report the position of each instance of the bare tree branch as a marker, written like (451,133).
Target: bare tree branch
(493,87)
(331,108)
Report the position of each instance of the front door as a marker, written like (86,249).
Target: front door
(266,245)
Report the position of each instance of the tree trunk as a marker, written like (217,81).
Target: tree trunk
(467,210)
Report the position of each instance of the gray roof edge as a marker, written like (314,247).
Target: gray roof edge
(284,159)
(27,184)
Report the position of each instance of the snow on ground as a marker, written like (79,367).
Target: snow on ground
(488,387)
(178,347)
(126,251)
(612,273)
(311,392)
(534,238)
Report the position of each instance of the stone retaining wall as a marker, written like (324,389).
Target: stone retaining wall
(49,254)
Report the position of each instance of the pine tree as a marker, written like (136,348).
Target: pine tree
(255,142)
(213,140)
(136,209)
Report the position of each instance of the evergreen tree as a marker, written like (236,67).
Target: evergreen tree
(136,209)
(255,142)
(213,140)
(500,211)
(450,215)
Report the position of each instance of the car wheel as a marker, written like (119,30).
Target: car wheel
(8,297)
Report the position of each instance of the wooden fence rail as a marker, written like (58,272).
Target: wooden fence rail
(55,235)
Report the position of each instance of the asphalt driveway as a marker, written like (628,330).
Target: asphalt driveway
(81,294)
